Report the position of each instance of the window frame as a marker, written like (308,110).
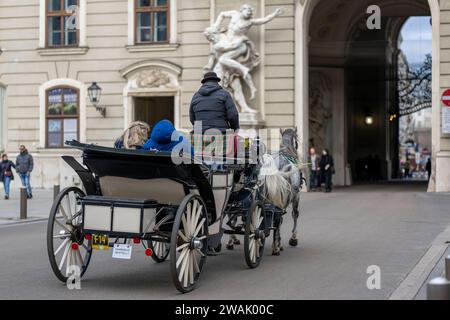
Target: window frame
(151,9)
(61,117)
(62,13)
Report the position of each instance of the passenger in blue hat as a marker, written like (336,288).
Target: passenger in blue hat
(165,137)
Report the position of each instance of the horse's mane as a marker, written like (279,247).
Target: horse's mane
(289,151)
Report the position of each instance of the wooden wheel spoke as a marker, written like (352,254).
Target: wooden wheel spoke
(181,257)
(193,216)
(61,246)
(186,227)
(187,217)
(191,268)
(183,266)
(200,225)
(183,246)
(185,239)
(80,258)
(67,205)
(62,226)
(69,260)
(61,236)
(63,212)
(195,262)
(200,251)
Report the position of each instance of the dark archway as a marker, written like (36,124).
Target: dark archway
(353,84)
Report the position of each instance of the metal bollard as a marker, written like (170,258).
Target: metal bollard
(447,267)
(438,289)
(23,203)
(56,190)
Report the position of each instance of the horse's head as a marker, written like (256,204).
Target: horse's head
(289,139)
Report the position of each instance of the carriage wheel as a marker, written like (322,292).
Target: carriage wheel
(188,243)
(66,245)
(254,238)
(160,250)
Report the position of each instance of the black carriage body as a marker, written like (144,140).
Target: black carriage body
(140,165)
(137,188)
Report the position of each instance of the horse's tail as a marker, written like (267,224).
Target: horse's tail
(276,183)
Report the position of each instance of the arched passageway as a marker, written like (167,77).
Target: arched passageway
(350,82)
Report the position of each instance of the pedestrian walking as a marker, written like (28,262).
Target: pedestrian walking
(24,167)
(326,166)
(428,168)
(407,169)
(314,177)
(6,174)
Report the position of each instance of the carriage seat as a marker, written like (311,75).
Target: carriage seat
(166,191)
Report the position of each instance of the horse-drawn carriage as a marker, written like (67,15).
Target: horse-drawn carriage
(177,211)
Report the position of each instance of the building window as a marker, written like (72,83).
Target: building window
(62,116)
(62,23)
(152,21)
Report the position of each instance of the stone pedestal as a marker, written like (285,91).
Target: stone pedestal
(250,124)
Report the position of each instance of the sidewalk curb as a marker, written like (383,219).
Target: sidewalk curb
(411,285)
(12,222)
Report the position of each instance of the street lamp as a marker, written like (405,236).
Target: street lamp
(94,93)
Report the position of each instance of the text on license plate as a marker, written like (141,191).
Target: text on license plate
(100,242)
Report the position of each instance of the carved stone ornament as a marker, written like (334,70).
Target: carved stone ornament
(154,78)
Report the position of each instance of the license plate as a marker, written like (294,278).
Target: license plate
(122,251)
(100,242)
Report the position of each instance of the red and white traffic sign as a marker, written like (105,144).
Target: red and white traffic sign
(446,98)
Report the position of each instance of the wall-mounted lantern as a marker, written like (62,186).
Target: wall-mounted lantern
(368,120)
(95,93)
(392,117)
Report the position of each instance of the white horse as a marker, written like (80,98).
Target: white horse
(282,181)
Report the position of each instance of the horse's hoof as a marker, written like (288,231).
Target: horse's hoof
(281,248)
(275,253)
(293,242)
(236,242)
(230,247)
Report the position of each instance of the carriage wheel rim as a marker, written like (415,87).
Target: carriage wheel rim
(160,249)
(67,245)
(190,244)
(254,237)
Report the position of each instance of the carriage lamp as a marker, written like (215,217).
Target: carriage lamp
(94,93)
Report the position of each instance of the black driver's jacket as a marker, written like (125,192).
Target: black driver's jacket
(215,107)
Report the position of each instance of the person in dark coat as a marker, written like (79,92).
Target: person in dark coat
(314,161)
(213,106)
(24,166)
(428,168)
(6,174)
(326,166)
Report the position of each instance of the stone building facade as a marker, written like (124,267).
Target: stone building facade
(108,53)
(45,74)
